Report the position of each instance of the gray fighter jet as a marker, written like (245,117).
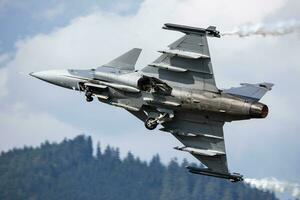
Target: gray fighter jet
(177,91)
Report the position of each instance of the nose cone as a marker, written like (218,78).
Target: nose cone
(43,75)
(49,76)
(57,77)
(61,78)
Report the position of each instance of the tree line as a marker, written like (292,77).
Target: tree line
(69,170)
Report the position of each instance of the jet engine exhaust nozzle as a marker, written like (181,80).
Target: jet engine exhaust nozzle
(259,110)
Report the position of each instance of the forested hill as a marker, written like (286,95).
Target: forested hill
(69,170)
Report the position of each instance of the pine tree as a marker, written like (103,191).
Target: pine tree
(98,151)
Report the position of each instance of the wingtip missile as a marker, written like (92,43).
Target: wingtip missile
(210,31)
(234,177)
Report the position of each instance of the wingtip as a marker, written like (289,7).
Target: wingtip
(267,85)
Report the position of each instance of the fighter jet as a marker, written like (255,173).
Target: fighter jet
(177,92)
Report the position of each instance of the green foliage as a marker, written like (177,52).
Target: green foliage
(69,170)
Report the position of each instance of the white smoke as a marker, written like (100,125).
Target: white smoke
(276,186)
(266,29)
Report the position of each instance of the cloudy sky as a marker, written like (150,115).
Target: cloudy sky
(63,34)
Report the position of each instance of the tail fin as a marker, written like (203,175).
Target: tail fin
(126,61)
(251,92)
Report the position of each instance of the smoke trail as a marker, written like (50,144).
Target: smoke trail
(276,186)
(266,29)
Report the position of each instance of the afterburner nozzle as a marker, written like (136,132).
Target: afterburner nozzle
(259,110)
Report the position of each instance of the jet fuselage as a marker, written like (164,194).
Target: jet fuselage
(123,90)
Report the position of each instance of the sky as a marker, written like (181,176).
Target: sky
(65,34)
